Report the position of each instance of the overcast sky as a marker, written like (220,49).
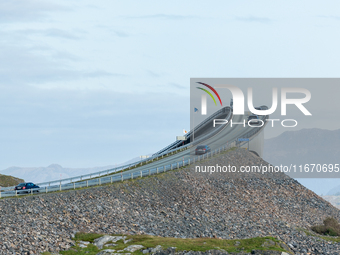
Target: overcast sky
(94,83)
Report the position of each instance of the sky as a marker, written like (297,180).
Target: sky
(96,83)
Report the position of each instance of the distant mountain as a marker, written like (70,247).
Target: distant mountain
(306,146)
(7,180)
(55,172)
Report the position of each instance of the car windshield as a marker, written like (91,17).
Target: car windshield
(21,184)
(252,117)
(201,147)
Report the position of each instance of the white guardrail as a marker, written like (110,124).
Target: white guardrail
(96,179)
(116,177)
(143,161)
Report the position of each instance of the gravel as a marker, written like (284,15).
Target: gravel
(182,203)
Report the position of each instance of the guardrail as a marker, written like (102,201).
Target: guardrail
(141,162)
(187,136)
(252,133)
(116,177)
(78,182)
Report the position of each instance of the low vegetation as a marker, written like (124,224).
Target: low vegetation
(196,244)
(330,227)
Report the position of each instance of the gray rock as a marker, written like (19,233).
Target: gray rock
(83,244)
(110,245)
(126,241)
(133,248)
(99,242)
(190,210)
(106,252)
(156,249)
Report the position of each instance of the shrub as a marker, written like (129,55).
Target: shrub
(330,227)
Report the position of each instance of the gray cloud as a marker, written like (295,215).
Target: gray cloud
(254,19)
(121,34)
(51,32)
(27,10)
(22,66)
(178,86)
(164,16)
(330,17)
(153,74)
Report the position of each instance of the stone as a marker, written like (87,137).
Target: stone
(156,249)
(126,241)
(99,242)
(133,248)
(110,245)
(106,252)
(83,244)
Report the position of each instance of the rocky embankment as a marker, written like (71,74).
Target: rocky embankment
(180,203)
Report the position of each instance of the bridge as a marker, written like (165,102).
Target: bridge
(178,154)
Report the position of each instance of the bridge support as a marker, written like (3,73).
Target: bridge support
(256,143)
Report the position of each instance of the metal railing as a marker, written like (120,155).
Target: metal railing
(204,122)
(143,161)
(116,177)
(79,182)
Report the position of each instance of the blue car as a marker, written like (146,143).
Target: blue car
(26,187)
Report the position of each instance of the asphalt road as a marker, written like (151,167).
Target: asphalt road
(224,137)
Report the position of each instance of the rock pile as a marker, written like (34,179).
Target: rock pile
(182,203)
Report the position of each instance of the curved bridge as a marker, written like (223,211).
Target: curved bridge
(176,155)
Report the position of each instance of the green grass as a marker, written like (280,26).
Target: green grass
(326,238)
(195,244)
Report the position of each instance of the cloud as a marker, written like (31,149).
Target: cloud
(153,74)
(27,10)
(164,17)
(330,17)
(254,19)
(51,32)
(101,73)
(178,86)
(22,66)
(121,34)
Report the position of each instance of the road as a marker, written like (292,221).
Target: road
(224,137)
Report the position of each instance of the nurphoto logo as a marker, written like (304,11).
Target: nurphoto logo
(238,102)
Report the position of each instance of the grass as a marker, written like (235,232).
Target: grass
(188,244)
(323,237)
